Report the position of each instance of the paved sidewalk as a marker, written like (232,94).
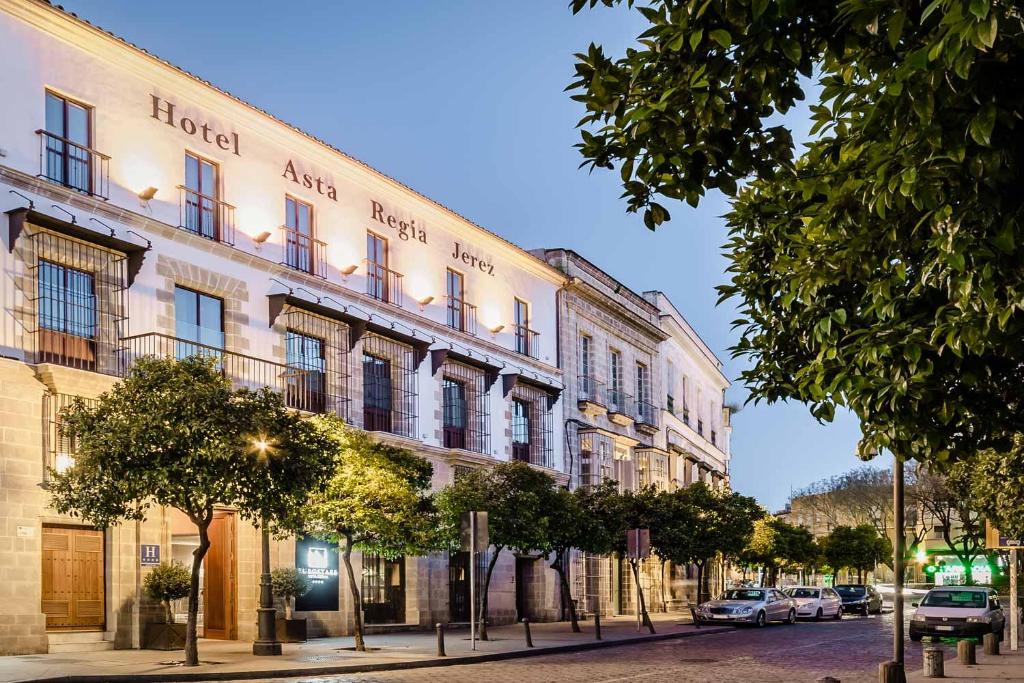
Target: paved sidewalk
(1007,666)
(233,660)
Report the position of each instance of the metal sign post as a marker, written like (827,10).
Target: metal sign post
(638,547)
(473,537)
(1014,608)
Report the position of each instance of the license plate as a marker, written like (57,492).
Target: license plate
(719,616)
(943,628)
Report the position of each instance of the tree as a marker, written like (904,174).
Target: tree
(776,545)
(998,488)
(167,582)
(514,495)
(632,510)
(672,533)
(173,433)
(878,270)
(947,502)
(857,548)
(376,501)
(289,584)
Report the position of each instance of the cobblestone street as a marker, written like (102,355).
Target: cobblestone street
(849,650)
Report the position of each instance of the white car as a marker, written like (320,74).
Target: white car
(813,602)
(958,611)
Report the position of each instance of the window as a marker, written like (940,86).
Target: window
(643,383)
(455,413)
(455,285)
(521,430)
(686,406)
(67,316)
(524,335)
(198,318)
(670,382)
(200,196)
(376,393)
(377,267)
(298,223)
(587,384)
(306,386)
(615,374)
(67,143)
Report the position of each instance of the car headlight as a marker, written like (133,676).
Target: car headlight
(746,610)
(919,617)
(979,620)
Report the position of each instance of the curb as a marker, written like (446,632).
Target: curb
(371,668)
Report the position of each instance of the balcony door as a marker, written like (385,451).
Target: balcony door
(377,394)
(298,234)
(201,197)
(67,316)
(306,385)
(455,413)
(377,266)
(68,142)
(198,323)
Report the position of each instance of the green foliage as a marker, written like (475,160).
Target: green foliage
(948,500)
(174,433)
(166,582)
(377,496)
(288,583)
(858,548)
(879,269)
(998,489)
(776,544)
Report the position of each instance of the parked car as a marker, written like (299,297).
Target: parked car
(814,602)
(965,611)
(755,606)
(860,597)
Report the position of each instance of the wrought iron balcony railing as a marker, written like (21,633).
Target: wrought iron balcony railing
(647,414)
(73,165)
(304,252)
(589,389)
(206,216)
(383,284)
(461,315)
(619,402)
(527,341)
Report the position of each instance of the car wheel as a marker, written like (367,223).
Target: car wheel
(760,622)
(839,613)
(817,617)
(791,618)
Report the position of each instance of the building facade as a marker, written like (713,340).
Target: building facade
(148,213)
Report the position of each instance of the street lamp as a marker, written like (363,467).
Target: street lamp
(266,642)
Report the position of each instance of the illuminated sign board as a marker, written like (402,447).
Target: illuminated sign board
(318,561)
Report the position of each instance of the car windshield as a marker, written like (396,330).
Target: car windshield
(742,594)
(955,598)
(850,591)
(803,592)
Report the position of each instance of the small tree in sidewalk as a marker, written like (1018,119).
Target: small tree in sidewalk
(376,501)
(165,583)
(174,433)
(289,584)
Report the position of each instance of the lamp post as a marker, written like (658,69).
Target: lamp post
(266,643)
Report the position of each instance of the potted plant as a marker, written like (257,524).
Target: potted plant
(165,583)
(289,584)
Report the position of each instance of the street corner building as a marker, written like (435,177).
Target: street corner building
(146,212)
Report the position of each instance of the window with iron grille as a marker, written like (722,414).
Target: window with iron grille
(389,386)
(79,302)
(317,351)
(531,426)
(465,407)
(59,446)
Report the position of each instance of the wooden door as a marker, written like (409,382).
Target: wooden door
(73,578)
(220,594)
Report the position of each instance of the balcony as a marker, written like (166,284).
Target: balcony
(590,395)
(527,341)
(303,252)
(461,315)
(206,216)
(647,417)
(383,284)
(309,390)
(619,405)
(73,165)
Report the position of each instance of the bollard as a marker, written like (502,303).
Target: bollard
(696,619)
(891,672)
(991,642)
(934,661)
(597,624)
(526,631)
(440,640)
(966,652)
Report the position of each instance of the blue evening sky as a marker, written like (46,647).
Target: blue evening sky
(463,101)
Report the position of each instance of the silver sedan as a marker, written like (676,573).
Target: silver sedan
(755,606)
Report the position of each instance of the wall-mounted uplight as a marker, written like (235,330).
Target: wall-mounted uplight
(146,195)
(496,330)
(259,239)
(345,272)
(425,301)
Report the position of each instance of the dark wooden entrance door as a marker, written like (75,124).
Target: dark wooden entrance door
(73,596)
(524,567)
(220,611)
(458,587)
(383,589)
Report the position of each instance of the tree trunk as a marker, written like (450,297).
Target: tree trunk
(646,618)
(287,607)
(168,612)
(357,600)
(566,597)
(487,590)
(191,634)
(664,601)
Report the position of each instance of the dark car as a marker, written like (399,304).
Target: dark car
(860,597)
